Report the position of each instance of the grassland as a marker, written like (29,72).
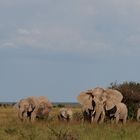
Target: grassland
(11,128)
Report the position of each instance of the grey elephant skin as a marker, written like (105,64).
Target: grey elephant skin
(32,107)
(104,100)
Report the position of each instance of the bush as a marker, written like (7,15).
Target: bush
(62,134)
(131,96)
(60,105)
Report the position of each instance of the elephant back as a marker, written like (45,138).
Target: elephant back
(44,102)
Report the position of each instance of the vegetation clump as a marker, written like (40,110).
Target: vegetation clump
(131,96)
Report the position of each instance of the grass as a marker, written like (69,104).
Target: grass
(11,128)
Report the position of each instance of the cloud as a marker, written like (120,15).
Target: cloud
(57,38)
(9,45)
(23,31)
(78,26)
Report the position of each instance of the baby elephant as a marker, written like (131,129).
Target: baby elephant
(121,113)
(138,114)
(65,114)
(117,113)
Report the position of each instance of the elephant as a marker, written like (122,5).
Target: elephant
(31,108)
(44,107)
(121,113)
(65,114)
(138,114)
(27,108)
(97,100)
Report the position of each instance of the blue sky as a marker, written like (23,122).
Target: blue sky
(60,48)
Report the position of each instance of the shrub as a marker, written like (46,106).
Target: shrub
(61,105)
(131,96)
(62,134)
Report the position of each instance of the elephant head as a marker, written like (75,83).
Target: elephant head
(23,107)
(98,99)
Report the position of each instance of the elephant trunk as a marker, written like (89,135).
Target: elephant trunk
(97,116)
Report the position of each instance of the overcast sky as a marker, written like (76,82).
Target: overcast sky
(58,48)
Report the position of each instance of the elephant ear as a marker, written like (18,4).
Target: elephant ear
(85,99)
(113,97)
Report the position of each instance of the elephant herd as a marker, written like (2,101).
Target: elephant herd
(98,104)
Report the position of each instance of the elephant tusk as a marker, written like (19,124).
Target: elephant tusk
(93,113)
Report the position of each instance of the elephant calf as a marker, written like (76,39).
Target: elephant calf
(138,114)
(118,112)
(65,114)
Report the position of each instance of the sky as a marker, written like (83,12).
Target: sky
(58,48)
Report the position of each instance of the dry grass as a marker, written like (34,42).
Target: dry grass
(51,129)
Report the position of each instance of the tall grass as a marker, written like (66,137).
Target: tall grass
(13,129)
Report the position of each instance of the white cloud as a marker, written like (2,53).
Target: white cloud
(23,31)
(134,40)
(9,45)
(80,26)
(60,39)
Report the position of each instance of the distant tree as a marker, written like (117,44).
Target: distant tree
(60,105)
(131,95)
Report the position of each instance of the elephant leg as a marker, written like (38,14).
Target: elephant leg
(33,116)
(124,119)
(102,117)
(117,119)
(25,117)
(20,115)
(97,116)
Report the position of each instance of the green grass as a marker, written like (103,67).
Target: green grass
(11,128)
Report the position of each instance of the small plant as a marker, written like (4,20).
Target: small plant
(62,134)
(78,116)
(11,131)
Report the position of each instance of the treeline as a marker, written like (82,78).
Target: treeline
(131,96)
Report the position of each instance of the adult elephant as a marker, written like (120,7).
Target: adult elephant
(27,108)
(44,107)
(98,100)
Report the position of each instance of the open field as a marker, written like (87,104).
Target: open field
(51,129)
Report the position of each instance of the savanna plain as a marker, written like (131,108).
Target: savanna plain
(11,128)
